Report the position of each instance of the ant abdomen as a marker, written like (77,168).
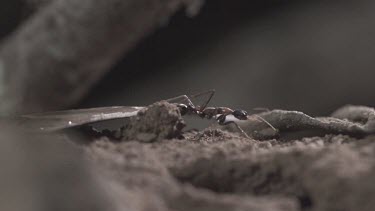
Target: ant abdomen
(183,109)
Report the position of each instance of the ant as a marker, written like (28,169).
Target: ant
(223,115)
(58,120)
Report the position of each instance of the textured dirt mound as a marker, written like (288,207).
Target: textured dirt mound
(155,168)
(330,173)
(159,121)
(218,170)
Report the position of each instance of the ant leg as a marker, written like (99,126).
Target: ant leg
(211,93)
(239,128)
(265,121)
(213,134)
(181,98)
(185,98)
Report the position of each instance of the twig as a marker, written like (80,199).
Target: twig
(350,120)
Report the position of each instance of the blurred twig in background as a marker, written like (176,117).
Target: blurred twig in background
(56,55)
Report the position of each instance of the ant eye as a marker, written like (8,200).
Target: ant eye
(240,114)
(183,108)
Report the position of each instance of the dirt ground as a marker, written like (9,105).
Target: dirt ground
(218,170)
(157,166)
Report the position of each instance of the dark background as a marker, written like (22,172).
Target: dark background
(313,56)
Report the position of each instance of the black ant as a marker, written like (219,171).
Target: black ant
(221,114)
(58,120)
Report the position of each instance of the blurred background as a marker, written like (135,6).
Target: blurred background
(312,56)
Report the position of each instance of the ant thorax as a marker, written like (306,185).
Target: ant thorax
(225,119)
(217,110)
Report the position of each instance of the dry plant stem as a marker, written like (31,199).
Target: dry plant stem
(351,120)
(55,56)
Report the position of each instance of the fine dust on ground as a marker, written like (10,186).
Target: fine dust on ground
(219,170)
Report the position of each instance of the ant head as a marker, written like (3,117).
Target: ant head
(240,114)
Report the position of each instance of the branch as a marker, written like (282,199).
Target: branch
(54,58)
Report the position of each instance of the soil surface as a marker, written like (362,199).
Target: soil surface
(158,166)
(218,170)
